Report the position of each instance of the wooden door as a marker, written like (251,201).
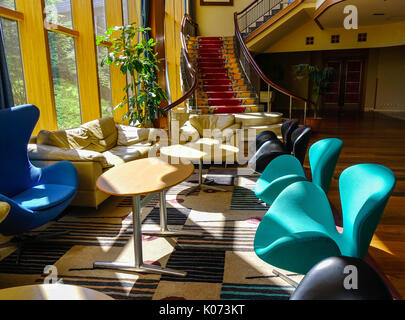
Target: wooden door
(344,92)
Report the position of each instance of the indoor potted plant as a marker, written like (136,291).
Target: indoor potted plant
(143,95)
(319,79)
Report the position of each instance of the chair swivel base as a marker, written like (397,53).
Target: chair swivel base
(143,268)
(20,242)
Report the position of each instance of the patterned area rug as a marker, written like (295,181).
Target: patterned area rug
(220,265)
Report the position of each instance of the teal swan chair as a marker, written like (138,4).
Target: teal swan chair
(36,196)
(299,230)
(286,169)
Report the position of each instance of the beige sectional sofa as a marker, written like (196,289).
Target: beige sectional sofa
(93,148)
(215,133)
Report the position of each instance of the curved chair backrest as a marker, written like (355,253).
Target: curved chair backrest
(300,140)
(364,193)
(287,129)
(261,139)
(16,126)
(267,152)
(323,157)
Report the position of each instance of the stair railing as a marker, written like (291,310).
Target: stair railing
(189,75)
(255,74)
(258,9)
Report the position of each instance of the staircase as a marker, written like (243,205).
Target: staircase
(222,85)
(260,12)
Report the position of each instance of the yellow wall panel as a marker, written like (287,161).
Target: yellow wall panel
(378,36)
(218,20)
(36,59)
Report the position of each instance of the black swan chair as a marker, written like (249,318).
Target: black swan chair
(275,148)
(287,129)
(342,278)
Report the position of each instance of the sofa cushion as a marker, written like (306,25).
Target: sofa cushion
(77,138)
(104,134)
(40,152)
(44,196)
(128,135)
(121,154)
(211,122)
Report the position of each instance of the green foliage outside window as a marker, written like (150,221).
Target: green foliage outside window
(14,61)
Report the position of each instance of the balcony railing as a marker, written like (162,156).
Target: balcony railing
(258,13)
(255,75)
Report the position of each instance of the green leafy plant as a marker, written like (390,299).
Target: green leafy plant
(143,95)
(319,78)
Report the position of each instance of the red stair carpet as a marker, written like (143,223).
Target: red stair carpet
(222,88)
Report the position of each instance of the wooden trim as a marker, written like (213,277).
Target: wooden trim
(114,17)
(11,14)
(37,63)
(213,3)
(63,30)
(156,22)
(319,24)
(86,56)
(322,8)
(106,44)
(273,20)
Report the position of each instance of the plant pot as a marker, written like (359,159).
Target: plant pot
(161,122)
(314,123)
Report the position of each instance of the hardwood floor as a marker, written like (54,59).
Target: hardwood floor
(375,138)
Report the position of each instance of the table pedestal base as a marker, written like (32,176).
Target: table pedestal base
(173,233)
(143,268)
(202,184)
(138,265)
(164,230)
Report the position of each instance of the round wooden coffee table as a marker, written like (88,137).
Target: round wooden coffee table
(52,292)
(143,177)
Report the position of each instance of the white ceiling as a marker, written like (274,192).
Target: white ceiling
(393,10)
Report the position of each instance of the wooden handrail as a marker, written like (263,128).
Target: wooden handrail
(193,72)
(257,68)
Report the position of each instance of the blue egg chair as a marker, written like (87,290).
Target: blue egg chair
(299,230)
(286,169)
(34,196)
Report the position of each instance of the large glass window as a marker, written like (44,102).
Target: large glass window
(14,59)
(59,12)
(10,4)
(64,75)
(104,76)
(100,20)
(125,10)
